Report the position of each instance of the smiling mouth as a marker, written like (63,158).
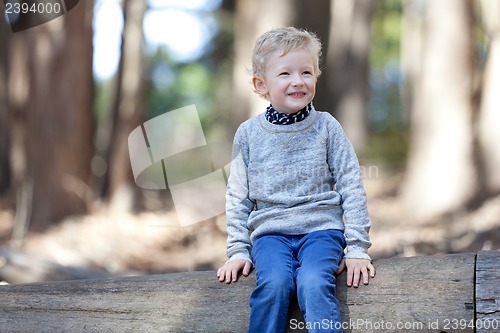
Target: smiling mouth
(297,94)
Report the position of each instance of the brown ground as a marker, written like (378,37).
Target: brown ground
(153,242)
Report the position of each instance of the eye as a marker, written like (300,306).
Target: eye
(307,73)
(283,73)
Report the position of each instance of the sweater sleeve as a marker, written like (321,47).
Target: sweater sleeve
(344,166)
(238,203)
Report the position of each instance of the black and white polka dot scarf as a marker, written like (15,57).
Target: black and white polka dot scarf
(278,118)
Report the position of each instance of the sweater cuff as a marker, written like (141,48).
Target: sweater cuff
(356,253)
(241,256)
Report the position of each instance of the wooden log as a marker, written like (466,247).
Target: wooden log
(417,294)
(488,292)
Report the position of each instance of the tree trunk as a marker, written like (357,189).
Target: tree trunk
(439,295)
(128,107)
(253,17)
(348,59)
(441,174)
(489,118)
(314,16)
(222,58)
(18,94)
(52,65)
(411,51)
(5,34)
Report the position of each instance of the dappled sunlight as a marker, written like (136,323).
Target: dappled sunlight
(124,244)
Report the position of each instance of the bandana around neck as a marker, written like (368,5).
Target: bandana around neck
(278,118)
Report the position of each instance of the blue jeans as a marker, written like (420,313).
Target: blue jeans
(302,265)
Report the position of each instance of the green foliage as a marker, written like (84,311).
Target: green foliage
(102,100)
(386,32)
(389,147)
(174,85)
(388,141)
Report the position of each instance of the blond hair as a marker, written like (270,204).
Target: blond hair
(284,40)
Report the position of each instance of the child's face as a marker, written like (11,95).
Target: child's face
(289,81)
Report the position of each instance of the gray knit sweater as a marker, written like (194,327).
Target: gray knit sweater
(294,179)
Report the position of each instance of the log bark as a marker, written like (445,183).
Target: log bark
(487,292)
(424,294)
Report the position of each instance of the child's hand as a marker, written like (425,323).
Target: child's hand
(356,268)
(229,272)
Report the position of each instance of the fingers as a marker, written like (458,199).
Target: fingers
(247,268)
(224,274)
(354,277)
(341,267)
(359,270)
(234,273)
(364,273)
(367,271)
(371,268)
(230,271)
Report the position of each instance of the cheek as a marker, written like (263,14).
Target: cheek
(280,85)
(312,85)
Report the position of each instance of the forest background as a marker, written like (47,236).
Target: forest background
(414,84)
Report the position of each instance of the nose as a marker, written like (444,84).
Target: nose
(297,81)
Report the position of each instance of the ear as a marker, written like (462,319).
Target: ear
(259,86)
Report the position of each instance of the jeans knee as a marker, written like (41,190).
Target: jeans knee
(272,288)
(316,283)
(279,284)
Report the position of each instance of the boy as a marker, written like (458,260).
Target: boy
(294,178)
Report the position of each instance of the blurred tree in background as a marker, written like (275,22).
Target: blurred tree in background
(348,65)
(127,108)
(442,146)
(489,117)
(4,112)
(49,87)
